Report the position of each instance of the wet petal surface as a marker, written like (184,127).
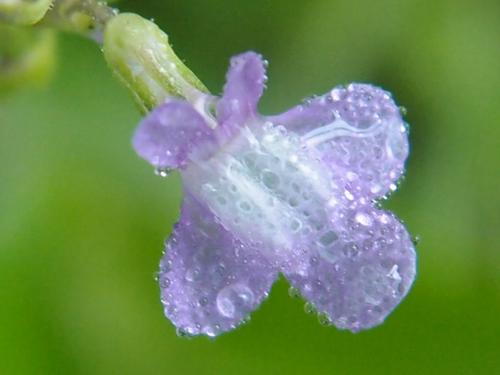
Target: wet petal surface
(294,193)
(210,281)
(244,87)
(360,271)
(357,130)
(172,134)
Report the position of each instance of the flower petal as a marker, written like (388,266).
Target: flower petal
(359,271)
(359,131)
(173,133)
(244,87)
(210,281)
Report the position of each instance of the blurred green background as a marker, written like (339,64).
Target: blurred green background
(82,219)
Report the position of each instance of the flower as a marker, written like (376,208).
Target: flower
(293,194)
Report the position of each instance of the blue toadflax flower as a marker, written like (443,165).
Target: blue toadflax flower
(293,194)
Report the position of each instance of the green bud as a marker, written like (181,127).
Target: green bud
(27,57)
(140,55)
(23,12)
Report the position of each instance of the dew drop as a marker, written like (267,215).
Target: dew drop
(295,225)
(192,274)
(270,179)
(281,130)
(349,195)
(394,274)
(267,126)
(162,171)
(363,219)
(323,319)
(245,206)
(335,95)
(416,240)
(182,333)
(327,250)
(164,282)
(293,202)
(235,300)
(165,266)
(293,292)
(309,308)
(328,238)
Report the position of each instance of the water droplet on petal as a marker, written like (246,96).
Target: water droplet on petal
(166,266)
(309,308)
(416,240)
(162,171)
(235,300)
(394,274)
(324,320)
(164,282)
(328,238)
(182,333)
(192,274)
(363,219)
(349,195)
(293,292)
(270,179)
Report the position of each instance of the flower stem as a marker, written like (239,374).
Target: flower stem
(136,50)
(85,17)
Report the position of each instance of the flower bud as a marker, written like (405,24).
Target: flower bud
(140,55)
(23,12)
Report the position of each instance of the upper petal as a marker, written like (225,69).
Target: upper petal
(210,281)
(244,87)
(173,133)
(359,132)
(360,270)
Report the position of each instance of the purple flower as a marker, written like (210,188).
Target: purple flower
(293,194)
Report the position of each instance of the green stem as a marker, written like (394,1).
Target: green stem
(84,17)
(136,50)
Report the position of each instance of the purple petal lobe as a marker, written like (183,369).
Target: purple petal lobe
(173,134)
(210,281)
(243,89)
(361,269)
(357,130)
